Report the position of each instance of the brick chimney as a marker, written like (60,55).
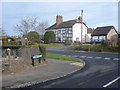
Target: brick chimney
(59,19)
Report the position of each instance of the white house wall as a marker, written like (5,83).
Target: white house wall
(88,37)
(77,32)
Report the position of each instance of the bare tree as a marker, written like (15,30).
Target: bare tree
(26,25)
(41,27)
(31,24)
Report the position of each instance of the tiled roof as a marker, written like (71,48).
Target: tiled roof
(66,24)
(102,30)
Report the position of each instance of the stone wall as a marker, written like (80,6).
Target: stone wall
(27,52)
(21,60)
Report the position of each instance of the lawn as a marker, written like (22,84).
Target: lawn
(53,45)
(62,57)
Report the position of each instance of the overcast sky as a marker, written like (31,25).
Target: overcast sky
(95,14)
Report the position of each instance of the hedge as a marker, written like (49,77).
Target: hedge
(12,46)
(43,51)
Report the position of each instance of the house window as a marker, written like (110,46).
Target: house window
(59,39)
(66,31)
(59,31)
(70,31)
(101,38)
(70,35)
(59,35)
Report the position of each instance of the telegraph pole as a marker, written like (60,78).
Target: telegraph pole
(81,24)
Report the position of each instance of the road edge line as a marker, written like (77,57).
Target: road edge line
(106,85)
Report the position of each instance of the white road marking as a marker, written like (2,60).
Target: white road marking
(116,59)
(98,57)
(83,56)
(76,63)
(107,58)
(89,57)
(111,82)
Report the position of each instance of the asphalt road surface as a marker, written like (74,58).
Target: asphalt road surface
(101,71)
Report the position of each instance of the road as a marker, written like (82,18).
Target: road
(99,72)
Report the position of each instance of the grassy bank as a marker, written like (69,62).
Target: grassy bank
(53,45)
(62,57)
(97,48)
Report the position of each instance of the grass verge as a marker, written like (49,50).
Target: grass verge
(62,57)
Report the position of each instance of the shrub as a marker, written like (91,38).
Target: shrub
(43,51)
(49,37)
(104,43)
(33,37)
(4,54)
(76,42)
(118,43)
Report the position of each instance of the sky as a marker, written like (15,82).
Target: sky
(95,14)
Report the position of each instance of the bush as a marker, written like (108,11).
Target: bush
(104,43)
(118,43)
(4,54)
(68,42)
(43,51)
(33,37)
(76,42)
(49,37)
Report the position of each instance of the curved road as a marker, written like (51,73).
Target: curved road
(101,71)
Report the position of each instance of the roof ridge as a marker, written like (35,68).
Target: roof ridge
(69,20)
(105,26)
